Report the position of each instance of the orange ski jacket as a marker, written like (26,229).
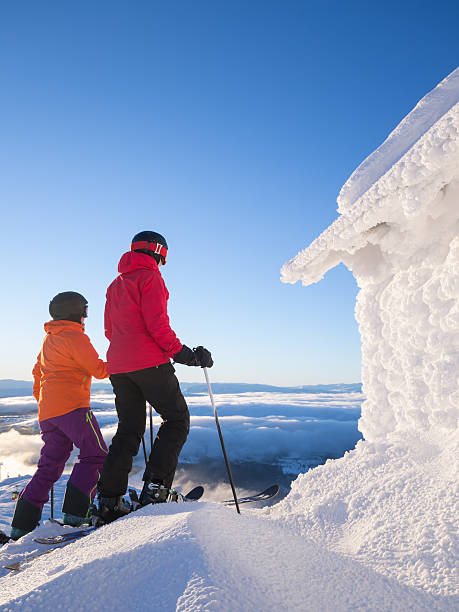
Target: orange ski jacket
(65,365)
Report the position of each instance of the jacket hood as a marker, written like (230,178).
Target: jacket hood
(136,261)
(57,327)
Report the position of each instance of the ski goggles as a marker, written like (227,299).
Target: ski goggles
(154,247)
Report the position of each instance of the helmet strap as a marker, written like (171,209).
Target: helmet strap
(154,247)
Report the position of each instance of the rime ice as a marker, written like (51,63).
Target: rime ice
(393,501)
(400,238)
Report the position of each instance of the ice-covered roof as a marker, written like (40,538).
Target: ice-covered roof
(392,186)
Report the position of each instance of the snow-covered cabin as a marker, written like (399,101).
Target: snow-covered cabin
(398,232)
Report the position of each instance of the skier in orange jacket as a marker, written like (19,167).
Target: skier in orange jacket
(62,382)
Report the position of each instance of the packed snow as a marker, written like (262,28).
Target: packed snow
(391,506)
(201,556)
(373,530)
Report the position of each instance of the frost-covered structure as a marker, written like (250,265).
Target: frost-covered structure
(399,234)
(392,503)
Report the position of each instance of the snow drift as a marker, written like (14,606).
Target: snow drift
(393,501)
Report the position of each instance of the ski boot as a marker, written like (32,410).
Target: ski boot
(153,493)
(17,533)
(73,520)
(110,509)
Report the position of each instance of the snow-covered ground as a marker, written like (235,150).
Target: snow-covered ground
(292,428)
(391,506)
(202,556)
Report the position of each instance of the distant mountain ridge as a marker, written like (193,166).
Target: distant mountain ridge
(20,388)
(197,388)
(15,388)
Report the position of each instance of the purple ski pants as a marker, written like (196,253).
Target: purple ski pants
(59,434)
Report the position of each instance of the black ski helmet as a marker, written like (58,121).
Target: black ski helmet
(150,243)
(68,306)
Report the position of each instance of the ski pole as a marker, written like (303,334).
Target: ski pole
(151,429)
(144,451)
(221,439)
(52,502)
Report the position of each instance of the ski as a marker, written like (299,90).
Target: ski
(67,538)
(194,495)
(262,496)
(18,566)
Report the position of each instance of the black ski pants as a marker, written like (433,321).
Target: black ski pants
(160,387)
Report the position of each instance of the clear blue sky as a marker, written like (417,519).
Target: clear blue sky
(229,127)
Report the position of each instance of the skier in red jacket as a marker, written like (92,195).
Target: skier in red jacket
(142,344)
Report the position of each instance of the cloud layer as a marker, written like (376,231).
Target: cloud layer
(288,428)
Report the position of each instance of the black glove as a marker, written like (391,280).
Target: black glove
(199,356)
(186,356)
(203,357)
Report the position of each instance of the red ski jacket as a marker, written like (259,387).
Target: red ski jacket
(136,320)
